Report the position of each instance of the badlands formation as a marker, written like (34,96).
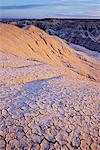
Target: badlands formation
(49,93)
(83,32)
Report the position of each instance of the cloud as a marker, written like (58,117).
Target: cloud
(29,6)
(77,16)
(61,8)
(22,6)
(95,13)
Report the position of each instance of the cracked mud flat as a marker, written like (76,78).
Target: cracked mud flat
(58,112)
(43,105)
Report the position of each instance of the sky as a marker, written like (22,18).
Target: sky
(50,8)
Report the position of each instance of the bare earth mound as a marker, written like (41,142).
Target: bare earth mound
(49,94)
(34,44)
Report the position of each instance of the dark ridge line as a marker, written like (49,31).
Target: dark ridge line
(54,18)
(31,48)
(44,40)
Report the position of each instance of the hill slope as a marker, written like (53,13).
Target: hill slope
(34,44)
(83,32)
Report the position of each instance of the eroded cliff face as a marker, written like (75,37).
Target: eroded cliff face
(84,33)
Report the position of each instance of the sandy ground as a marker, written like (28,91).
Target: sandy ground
(44,106)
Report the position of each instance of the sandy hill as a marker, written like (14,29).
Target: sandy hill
(32,43)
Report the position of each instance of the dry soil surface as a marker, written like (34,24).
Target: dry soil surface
(47,106)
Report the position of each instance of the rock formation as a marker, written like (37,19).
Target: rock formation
(85,33)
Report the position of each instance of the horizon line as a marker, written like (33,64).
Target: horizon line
(50,18)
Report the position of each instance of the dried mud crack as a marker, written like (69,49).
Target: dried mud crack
(50,114)
(45,102)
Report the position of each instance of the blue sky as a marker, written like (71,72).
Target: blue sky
(50,8)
